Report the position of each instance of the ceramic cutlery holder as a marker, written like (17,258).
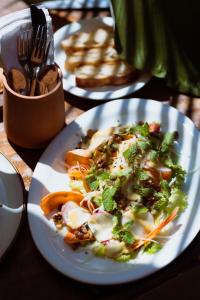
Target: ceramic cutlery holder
(31,122)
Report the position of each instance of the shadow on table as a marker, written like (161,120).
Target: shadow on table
(155,89)
(29,156)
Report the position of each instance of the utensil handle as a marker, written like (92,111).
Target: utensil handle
(33,81)
(33,86)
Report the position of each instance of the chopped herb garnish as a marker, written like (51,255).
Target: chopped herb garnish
(108,201)
(152,248)
(142,129)
(130,153)
(142,175)
(153,155)
(167,141)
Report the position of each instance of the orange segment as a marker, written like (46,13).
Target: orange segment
(78,155)
(53,200)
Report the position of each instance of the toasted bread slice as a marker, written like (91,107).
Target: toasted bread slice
(117,73)
(101,37)
(93,56)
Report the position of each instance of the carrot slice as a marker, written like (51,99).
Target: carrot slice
(78,155)
(86,186)
(70,238)
(151,235)
(128,136)
(75,174)
(79,171)
(53,200)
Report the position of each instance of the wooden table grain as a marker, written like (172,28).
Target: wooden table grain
(25,274)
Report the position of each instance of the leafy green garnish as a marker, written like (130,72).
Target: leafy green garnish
(122,233)
(140,210)
(170,197)
(152,248)
(123,257)
(128,225)
(161,202)
(179,174)
(142,129)
(164,184)
(167,141)
(103,175)
(142,175)
(120,173)
(98,249)
(177,198)
(94,177)
(130,153)
(97,200)
(94,185)
(127,237)
(108,201)
(126,257)
(143,145)
(146,191)
(153,155)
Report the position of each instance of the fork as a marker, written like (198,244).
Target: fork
(38,55)
(23,50)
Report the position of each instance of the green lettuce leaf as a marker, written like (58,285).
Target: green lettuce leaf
(130,153)
(152,248)
(167,141)
(177,198)
(108,201)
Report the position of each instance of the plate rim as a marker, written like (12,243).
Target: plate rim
(117,281)
(23,213)
(144,77)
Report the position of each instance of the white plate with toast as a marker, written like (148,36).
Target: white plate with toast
(111,79)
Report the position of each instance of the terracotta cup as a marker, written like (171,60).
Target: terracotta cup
(31,122)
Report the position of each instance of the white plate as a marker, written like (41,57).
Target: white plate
(78,4)
(12,195)
(50,175)
(103,93)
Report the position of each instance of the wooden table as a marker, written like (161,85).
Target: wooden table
(26,275)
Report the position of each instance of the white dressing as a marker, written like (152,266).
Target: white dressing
(100,137)
(113,248)
(101,224)
(73,215)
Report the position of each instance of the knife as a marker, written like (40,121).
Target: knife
(38,18)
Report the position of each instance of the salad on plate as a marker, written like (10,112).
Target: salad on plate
(126,189)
